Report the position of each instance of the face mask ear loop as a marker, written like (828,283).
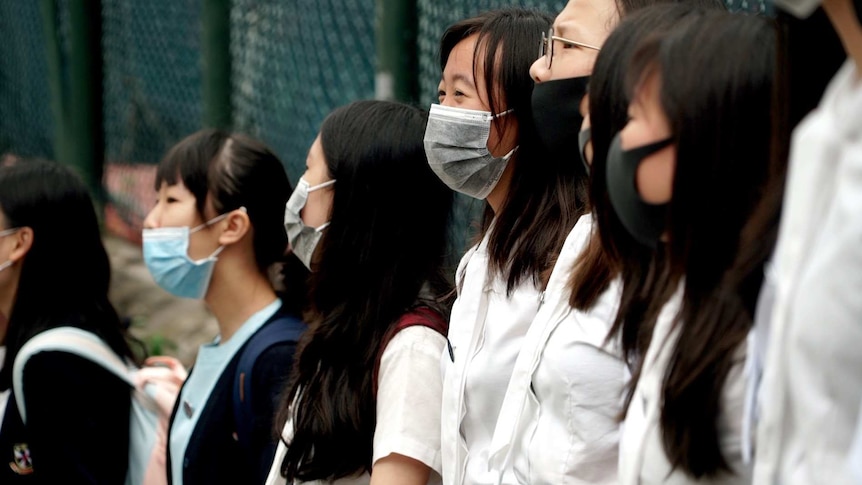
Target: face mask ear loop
(214,220)
(320,186)
(504,113)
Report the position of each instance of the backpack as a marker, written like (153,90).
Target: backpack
(143,417)
(284,329)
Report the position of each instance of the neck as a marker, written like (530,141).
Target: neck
(237,291)
(498,195)
(845,20)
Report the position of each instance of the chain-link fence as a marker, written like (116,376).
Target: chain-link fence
(151,96)
(292,62)
(26,126)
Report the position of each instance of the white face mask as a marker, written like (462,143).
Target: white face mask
(4,233)
(303,239)
(456,145)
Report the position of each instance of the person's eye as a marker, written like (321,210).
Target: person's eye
(459,93)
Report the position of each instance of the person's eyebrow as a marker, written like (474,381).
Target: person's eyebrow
(570,29)
(463,78)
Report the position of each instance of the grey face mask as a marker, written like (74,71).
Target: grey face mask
(456,145)
(303,239)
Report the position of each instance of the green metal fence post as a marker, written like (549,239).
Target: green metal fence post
(395,32)
(215,46)
(77,103)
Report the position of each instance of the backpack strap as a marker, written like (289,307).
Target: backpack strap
(278,331)
(71,340)
(424,316)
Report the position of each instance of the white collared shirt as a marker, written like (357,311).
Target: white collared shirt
(408,406)
(643,460)
(486,331)
(812,383)
(559,420)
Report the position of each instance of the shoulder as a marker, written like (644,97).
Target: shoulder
(57,363)
(275,341)
(277,357)
(417,338)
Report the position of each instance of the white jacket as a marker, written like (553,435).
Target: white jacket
(643,460)
(559,420)
(812,382)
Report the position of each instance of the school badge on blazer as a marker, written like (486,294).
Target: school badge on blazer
(23,464)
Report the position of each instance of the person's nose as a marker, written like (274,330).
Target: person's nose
(152,220)
(539,70)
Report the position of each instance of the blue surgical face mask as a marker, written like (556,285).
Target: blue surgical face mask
(166,252)
(4,233)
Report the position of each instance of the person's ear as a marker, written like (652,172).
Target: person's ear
(236,225)
(22,242)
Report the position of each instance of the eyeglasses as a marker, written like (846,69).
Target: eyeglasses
(547,48)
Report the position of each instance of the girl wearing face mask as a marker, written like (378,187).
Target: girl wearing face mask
(569,374)
(569,51)
(480,141)
(683,176)
(214,232)
(370,219)
(55,273)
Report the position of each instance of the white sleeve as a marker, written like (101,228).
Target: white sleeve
(854,457)
(409,397)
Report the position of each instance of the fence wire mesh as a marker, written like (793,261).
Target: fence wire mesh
(26,126)
(152,76)
(151,94)
(293,62)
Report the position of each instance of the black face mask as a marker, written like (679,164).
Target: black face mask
(584,137)
(644,221)
(557,114)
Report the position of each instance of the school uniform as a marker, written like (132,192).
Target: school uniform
(643,459)
(408,409)
(812,382)
(202,442)
(486,331)
(559,420)
(77,427)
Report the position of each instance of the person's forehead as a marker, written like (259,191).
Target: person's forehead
(584,18)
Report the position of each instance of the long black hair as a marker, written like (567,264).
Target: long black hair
(603,259)
(719,106)
(66,273)
(542,204)
(381,255)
